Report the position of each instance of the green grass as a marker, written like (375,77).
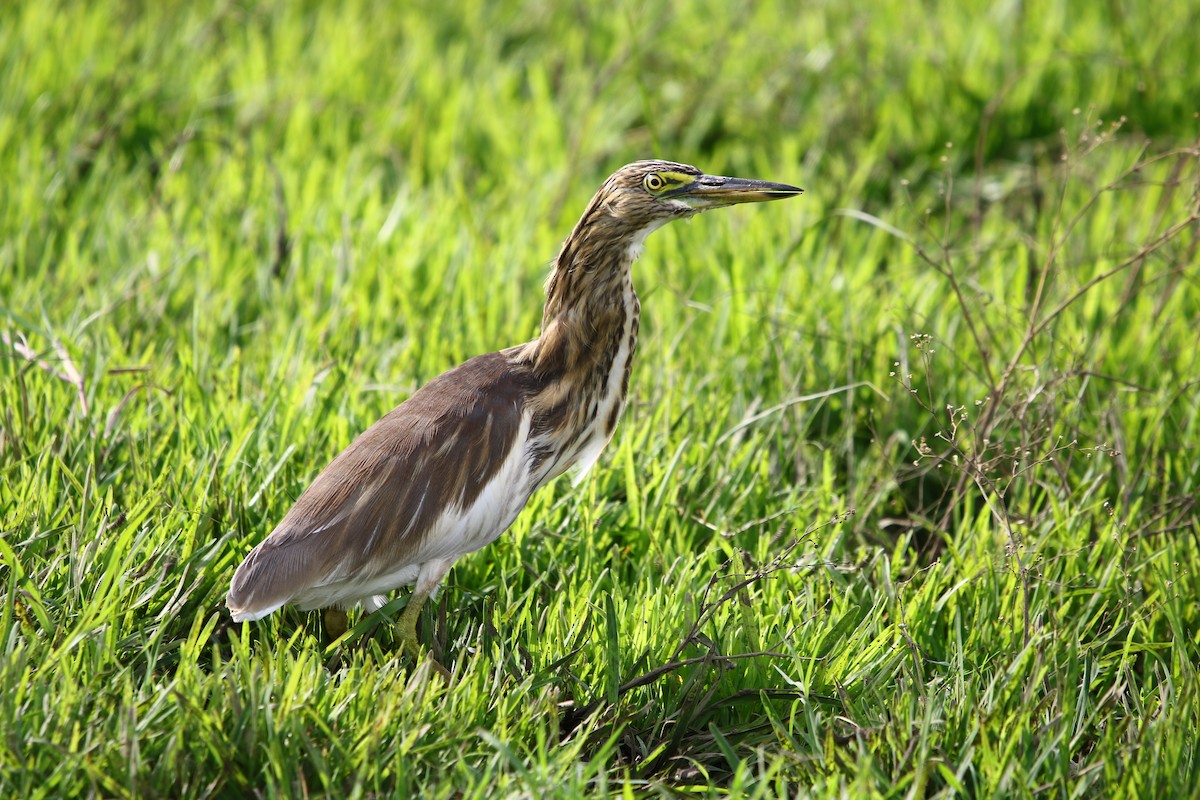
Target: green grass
(905,501)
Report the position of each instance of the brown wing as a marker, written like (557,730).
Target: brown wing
(367,513)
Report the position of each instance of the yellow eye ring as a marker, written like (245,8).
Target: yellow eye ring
(654,183)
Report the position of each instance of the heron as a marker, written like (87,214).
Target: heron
(449,469)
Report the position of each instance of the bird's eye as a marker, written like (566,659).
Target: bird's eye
(654,183)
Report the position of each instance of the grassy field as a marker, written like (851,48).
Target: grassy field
(905,500)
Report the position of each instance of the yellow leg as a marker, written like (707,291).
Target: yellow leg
(336,622)
(408,625)
(430,576)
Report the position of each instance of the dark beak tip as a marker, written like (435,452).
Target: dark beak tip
(722,191)
(773,190)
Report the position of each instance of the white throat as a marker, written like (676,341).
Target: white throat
(638,240)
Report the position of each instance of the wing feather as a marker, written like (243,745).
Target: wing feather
(369,511)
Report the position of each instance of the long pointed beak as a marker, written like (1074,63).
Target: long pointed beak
(714,191)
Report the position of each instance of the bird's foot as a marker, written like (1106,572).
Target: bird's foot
(437,667)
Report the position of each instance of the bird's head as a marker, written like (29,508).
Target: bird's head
(636,200)
(591,278)
(646,194)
